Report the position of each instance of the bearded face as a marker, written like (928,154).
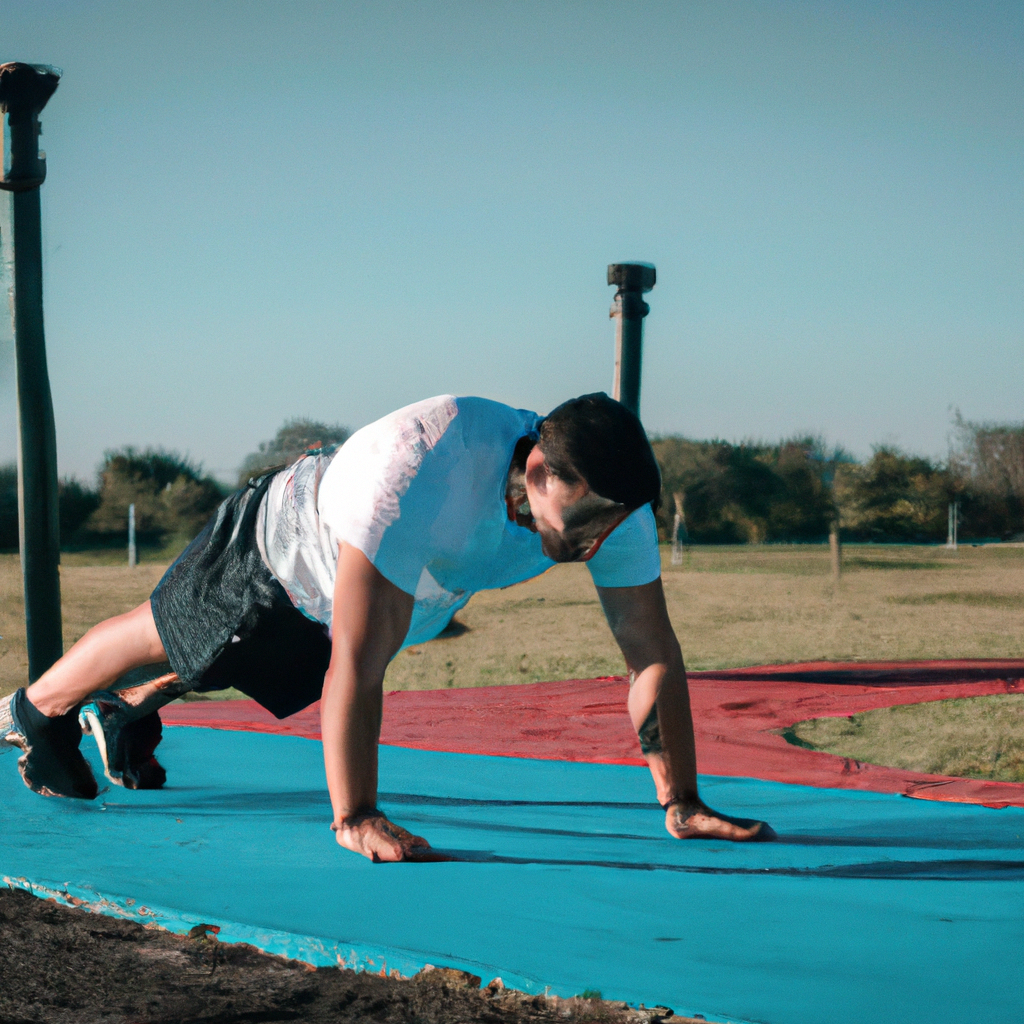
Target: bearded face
(586,523)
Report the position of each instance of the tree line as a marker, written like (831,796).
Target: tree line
(799,489)
(751,493)
(172,495)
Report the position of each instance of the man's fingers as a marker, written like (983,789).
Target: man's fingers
(428,855)
(379,840)
(404,836)
(689,823)
(407,841)
(385,850)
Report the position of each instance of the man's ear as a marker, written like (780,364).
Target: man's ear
(537,471)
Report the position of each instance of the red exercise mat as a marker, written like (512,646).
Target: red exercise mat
(738,716)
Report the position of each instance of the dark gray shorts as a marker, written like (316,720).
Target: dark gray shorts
(224,619)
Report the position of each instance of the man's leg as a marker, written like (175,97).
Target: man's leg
(103,655)
(42,719)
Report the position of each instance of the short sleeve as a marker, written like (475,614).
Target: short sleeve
(630,556)
(380,493)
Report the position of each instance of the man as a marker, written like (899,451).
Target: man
(382,541)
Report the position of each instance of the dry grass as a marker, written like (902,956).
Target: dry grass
(731,606)
(89,593)
(981,738)
(745,606)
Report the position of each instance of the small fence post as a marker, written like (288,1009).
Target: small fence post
(679,534)
(835,548)
(132,553)
(629,309)
(24,91)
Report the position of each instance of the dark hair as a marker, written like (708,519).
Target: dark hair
(598,440)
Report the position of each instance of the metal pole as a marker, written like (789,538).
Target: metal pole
(132,552)
(24,91)
(632,280)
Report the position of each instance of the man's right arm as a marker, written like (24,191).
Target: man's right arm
(370,620)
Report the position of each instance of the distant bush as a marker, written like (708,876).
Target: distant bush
(988,463)
(170,493)
(9,506)
(76,503)
(747,493)
(293,439)
(894,497)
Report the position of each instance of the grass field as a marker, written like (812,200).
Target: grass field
(731,606)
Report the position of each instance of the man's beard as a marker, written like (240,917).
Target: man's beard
(584,523)
(560,549)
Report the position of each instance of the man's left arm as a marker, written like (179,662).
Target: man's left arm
(659,708)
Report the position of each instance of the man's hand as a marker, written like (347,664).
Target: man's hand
(695,820)
(378,839)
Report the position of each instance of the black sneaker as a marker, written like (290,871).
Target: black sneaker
(125,744)
(51,763)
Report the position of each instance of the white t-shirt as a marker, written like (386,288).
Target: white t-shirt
(421,493)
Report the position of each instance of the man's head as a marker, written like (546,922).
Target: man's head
(592,465)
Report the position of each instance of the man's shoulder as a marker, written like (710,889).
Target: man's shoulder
(484,417)
(387,456)
(465,420)
(431,418)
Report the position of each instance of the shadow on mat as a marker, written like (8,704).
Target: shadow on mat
(451,801)
(934,870)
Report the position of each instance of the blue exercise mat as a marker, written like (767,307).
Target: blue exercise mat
(869,908)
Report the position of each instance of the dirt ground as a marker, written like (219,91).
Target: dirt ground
(60,965)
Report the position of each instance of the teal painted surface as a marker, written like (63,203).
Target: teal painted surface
(869,908)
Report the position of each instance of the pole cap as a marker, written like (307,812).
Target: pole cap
(632,277)
(26,88)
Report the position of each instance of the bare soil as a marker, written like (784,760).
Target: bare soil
(61,965)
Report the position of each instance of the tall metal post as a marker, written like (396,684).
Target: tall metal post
(24,91)
(633,280)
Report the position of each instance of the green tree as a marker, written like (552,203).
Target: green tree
(9,506)
(987,460)
(295,438)
(894,497)
(747,493)
(76,502)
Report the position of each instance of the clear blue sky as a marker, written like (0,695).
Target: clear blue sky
(258,210)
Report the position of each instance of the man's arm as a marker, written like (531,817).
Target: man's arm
(370,620)
(659,707)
